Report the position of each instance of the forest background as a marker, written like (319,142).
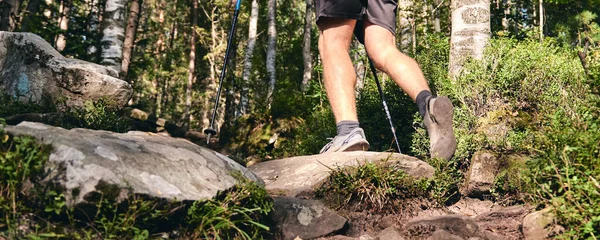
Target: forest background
(540,75)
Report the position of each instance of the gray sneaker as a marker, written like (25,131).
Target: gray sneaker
(438,122)
(354,141)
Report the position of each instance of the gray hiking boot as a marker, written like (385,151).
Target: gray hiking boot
(354,141)
(438,122)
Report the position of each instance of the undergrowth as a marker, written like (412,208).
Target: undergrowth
(33,207)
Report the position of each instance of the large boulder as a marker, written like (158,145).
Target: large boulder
(84,162)
(32,70)
(300,175)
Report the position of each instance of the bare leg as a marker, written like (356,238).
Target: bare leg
(381,47)
(340,77)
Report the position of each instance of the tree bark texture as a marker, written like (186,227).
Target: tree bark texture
(470,32)
(113,33)
(191,66)
(541,7)
(246,74)
(63,23)
(271,49)
(404,29)
(132,25)
(307,57)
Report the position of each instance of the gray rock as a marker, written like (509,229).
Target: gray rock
(33,71)
(305,219)
(389,233)
(472,206)
(502,223)
(482,173)
(461,226)
(297,175)
(441,234)
(136,162)
(541,225)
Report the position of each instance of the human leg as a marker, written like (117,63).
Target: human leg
(335,35)
(436,112)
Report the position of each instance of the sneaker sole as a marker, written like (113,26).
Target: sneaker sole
(442,110)
(362,145)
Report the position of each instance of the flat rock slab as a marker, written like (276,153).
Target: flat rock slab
(136,162)
(304,219)
(297,175)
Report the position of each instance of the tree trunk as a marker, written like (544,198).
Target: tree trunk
(404,24)
(436,16)
(245,88)
(132,25)
(9,13)
(63,23)
(470,32)
(306,53)
(541,7)
(359,66)
(271,50)
(113,33)
(191,66)
(505,20)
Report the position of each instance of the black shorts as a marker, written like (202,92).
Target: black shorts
(379,12)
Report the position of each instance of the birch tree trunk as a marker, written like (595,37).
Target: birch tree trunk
(359,66)
(245,88)
(63,23)
(271,50)
(470,32)
(436,16)
(132,25)
(113,33)
(541,7)
(404,25)
(505,19)
(307,57)
(191,66)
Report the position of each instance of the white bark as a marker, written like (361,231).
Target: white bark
(470,32)
(306,53)
(113,33)
(404,24)
(271,50)
(253,26)
(63,22)
(541,20)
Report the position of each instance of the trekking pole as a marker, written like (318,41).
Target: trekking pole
(385,107)
(210,131)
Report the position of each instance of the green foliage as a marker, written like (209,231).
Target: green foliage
(22,162)
(526,98)
(31,207)
(239,213)
(10,106)
(565,169)
(370,186)
(102,114)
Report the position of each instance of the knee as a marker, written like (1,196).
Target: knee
(382,56)
(378,54)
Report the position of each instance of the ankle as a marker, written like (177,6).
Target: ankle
(346,126)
